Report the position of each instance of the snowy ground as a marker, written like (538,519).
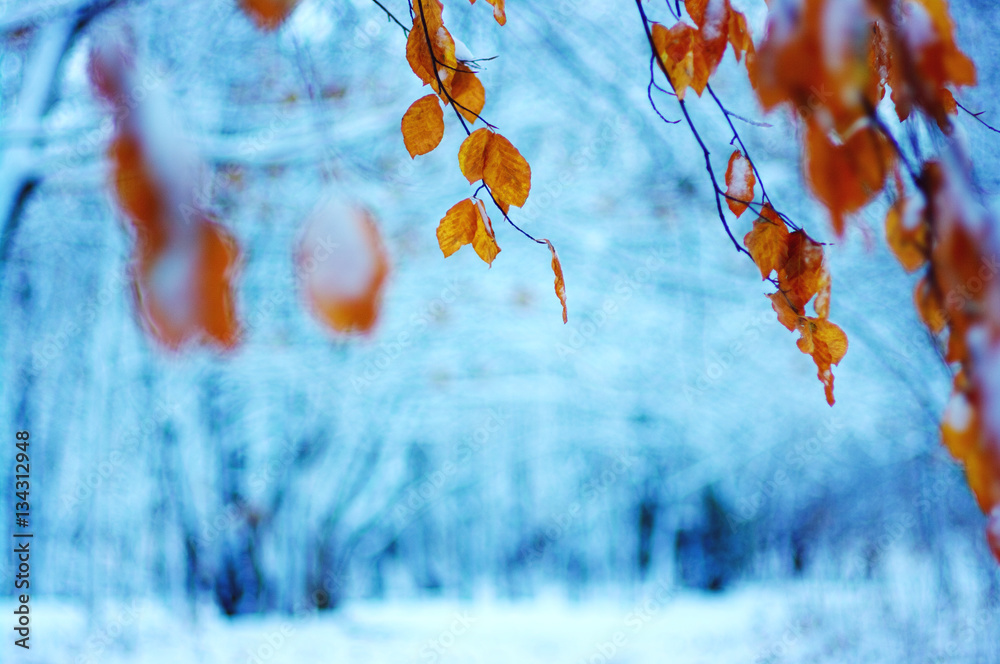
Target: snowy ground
(885,621)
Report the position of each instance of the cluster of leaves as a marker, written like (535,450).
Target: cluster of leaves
(185,262)
(485,155)
(830,63)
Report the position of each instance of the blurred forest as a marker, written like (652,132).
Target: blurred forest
(472,445)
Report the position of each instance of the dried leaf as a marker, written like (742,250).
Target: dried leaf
(827,344)
(468,93)
(767,243)
(910,245)
(506,172)
(929,305)
(804,273)
(423,125)
(472,154)
(787,314)
(740,181)
(499,13)
(458,227)
(845,177)
(560,282)
(419,55)
(343,267)
(682,58)
(484,241)
(268,14)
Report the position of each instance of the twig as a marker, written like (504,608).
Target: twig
(392,17)
(461,119)
(694,131)
(978,118)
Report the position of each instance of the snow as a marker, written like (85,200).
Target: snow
(818,623)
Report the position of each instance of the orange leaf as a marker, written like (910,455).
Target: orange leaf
(804,273)
(499,13)
(458,227)
(472,154)
(468,93)
(768,243)
(910,245)
(960,426)
(681,57)
(560,283)
(929,306)
(827,344)
(506,172)
(423,125)
(268,14)
(845,177)
(712,18)
(740,182)
(420,57)
(343,267)
(484,241)
(184,292)
(787,315)
(739,34)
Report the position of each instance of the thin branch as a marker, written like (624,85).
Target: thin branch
(649,94)
(694,131)
(978,118)
(455,106)
(392,17)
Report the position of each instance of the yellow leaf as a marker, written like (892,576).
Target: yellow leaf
(468,93)
(423,125)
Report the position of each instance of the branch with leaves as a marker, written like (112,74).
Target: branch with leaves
(833,85)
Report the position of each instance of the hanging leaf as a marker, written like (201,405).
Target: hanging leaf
(423,125)
(740,182)
(499,13)
(268,15)
(908,239)
(343,266)
(420,56)
(506,172)
(827,344)
(483,241)
(468,93)
(787,314)
(767,242)
(804,273)
(472,154)
(458,227)
(681,57)
(845,177)
(560,282)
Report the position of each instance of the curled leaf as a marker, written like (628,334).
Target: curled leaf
(827,344)
(560,283)
(484,241)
